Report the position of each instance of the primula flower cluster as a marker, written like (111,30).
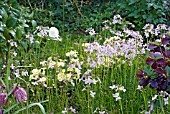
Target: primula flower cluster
(70,69)
(39,76)
(66,69)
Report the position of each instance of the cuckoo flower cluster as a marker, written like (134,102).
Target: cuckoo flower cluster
(117,89)
(112,50)
(152,104)
(17,91)
(158,73)
(161,30)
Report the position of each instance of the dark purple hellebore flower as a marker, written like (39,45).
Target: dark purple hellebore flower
(2,99)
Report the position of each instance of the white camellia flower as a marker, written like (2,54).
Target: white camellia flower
(54,33)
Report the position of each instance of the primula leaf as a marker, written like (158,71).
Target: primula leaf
(156,104)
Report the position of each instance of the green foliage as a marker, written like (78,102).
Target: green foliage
(143,11)
(12,26)
(76,15)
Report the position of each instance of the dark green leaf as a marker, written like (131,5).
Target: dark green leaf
(34,23)
(6,34)
(11,22)
(4,14)
(18,33)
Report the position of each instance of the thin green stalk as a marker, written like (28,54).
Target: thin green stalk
(7,74)
(121,107)
(88,97)
(145,99)
(161,104)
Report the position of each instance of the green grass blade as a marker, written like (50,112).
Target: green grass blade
(31,105)
(10,108)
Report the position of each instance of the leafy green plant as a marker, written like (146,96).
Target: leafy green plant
(11,28)
(142,11)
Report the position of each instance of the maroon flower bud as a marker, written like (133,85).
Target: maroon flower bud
(2,99)
(20,94)
(2,87)
(1,111)
(12,87)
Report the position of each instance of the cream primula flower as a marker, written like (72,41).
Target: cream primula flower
(72,54)
(36,71)
(43,63)
(61,76)
(43,79)
(35,74)
(60,64)
(74,60)
(85,44)
(68,76)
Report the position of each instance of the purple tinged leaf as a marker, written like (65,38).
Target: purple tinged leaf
(159,49)
(154,65)
(167,53)
(168,63)
(149,61)
(158,55)
(140,74)
(164,85)
(151,53)
(144,82)
(161,62)
(159,70)
(165,41)
(152,46)
(153,84)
